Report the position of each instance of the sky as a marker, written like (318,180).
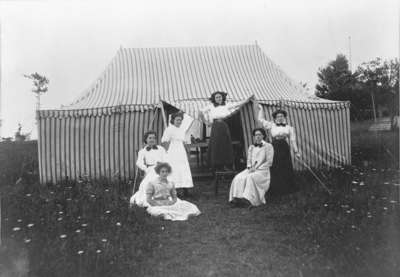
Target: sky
(71,42)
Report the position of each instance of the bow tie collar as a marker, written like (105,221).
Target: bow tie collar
(258,144)
(281,124)
(148,148)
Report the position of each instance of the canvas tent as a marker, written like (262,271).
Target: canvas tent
(99,133)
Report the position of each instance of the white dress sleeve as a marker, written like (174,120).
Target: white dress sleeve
(233,106)
(265,123)
(292,139)
(163,154)
(140,161)
(186,122)
(166,137)
(206,112)
(206,109)
(249,156)
(269,154)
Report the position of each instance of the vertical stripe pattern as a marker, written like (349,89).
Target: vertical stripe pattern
(96,147)
(322,135)
(100,133)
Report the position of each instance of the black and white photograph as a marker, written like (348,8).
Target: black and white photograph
(199,138)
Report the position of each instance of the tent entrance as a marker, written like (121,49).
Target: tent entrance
(236,130)
(197,139)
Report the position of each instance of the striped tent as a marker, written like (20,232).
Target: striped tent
(98,135)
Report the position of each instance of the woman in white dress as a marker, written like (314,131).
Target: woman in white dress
(148,157)
(162,198)
(248,188)
(176,153)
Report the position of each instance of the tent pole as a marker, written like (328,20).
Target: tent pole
(162,110)
(315,175)
(154,117)
(163,114)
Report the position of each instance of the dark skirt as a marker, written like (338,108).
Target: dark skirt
(220,150)
(282,175)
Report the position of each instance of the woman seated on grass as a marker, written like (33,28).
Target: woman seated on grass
(162,199)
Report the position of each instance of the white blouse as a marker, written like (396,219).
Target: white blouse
(151,157)
(173,133)
(219,112)
(212,112)
(281,131)
(260,157)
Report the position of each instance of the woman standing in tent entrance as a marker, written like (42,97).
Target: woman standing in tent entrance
(174,135)
(220,150)
(283,137)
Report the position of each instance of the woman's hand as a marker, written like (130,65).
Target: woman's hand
(256,105)
(165,144)
(171,201)
(160,202)
(297,155)
(166,202)
(152,202)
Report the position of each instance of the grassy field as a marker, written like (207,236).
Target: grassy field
(86,229)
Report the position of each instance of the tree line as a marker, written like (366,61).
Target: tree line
(372,89)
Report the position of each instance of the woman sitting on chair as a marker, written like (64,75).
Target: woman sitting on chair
(248,188)
(148,157)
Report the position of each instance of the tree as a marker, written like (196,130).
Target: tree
(335,81)
(40,86)
(380,79)
(373,83)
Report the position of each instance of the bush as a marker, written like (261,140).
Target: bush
(18,159)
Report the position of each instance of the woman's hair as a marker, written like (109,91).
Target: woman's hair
(175,115)
(275,113)
(223,94)
(147,134)
(260,130)
(159,166)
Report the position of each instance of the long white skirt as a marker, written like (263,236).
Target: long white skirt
(177,158)
(181,210)
(140,197)
(251,186)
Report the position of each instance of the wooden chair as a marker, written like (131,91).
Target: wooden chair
(220,175)
(139,175)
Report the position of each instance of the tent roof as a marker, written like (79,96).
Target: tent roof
(143,76)
(138,78)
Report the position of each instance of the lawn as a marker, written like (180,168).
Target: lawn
(87,229)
